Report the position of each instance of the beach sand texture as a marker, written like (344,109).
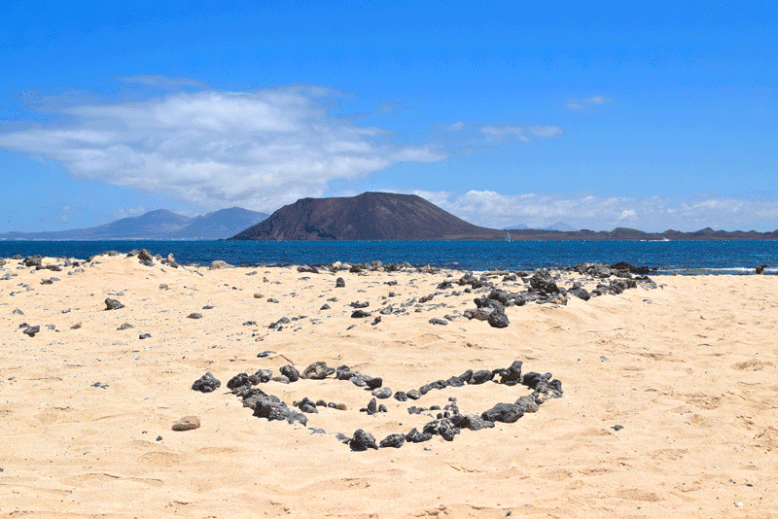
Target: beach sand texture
(688,370)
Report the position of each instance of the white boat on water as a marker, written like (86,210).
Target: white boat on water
(507,236)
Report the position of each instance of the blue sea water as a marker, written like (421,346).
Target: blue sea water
(685,257)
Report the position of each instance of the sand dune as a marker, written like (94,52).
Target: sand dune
(86,410)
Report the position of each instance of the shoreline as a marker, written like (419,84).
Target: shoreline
(377,265)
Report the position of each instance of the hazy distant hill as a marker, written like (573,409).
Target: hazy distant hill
(156,225)
(559,226)
(218,225)
(369,216)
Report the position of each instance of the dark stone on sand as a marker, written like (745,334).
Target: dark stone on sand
(359,314)
(760,269)
(32,261)
(307,268)
(416,436)
(512,375)
(443,427)
(372,407)
(343,372)
(272,300)
(241,379)
(250,323)
(358,304)
(261,376)
(617,427)
(290,372)
(194,315)
(325,306)
(436,320)
(373,382)
(414,394)
(358,380)
(393,440)
(144,336)
(400,396)
(382,393)
(340,283)
(376,320)
(498,319)
(507,413)
(113,304)
(125,326)
(206,383)
(580,293)
(532,379)
(317,371)
(361,441)
(32,330)
(472,422)
(17,312)
(481,376)
(527,404)
(264,354)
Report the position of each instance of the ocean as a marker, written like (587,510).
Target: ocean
(681,257)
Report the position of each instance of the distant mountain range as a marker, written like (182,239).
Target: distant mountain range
(387,216)
(157,225)
(559,226)
(369,216)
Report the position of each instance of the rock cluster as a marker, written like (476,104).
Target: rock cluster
(448,422)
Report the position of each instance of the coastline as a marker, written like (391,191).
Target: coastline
(687,369)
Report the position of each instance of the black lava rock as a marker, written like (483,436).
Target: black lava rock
(290,372)
(382,393)
(360,314)
(340,283)
(507,413)
(206,383)
(112,304)
(498,319)
(481,376)
(361,441)
(317,371)
(241,379)
(393,440)
(417,437)
(512,375)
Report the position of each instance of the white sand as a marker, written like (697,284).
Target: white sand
(690,374)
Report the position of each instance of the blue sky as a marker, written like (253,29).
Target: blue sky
(646,116)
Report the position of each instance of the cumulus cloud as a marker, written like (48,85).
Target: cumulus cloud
(586,103)
(520,132)
(259,149)
(587,211)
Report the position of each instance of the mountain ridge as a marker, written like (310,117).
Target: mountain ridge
(369,216)
(160,224)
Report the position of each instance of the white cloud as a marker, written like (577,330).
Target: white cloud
(458,126)
(587,211)
(162,81)
(130,211)
(519,132)
(259,149)
(586,103)
(545,131)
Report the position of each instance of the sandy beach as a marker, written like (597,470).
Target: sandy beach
(687,369)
